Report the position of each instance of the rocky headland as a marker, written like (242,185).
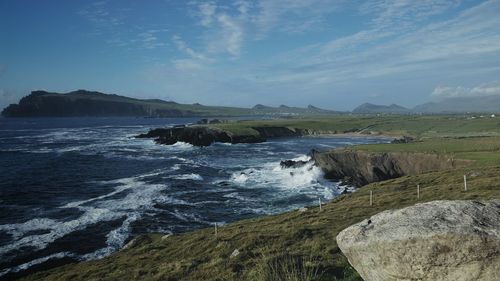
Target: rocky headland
(360,168)
(198,136)
(207,135)
(439,240)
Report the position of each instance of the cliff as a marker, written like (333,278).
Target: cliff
(360,168)
(88,103)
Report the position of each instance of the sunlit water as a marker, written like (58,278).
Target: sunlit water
(88,180)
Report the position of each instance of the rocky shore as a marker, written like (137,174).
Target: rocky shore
(198,136)
(359,168)
(205,135)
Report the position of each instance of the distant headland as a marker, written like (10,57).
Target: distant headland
(96,104)
(90,103)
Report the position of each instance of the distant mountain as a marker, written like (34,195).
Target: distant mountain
(368,108)
(485,104)
(290,110)
(88,103)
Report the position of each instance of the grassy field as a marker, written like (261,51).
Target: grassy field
(300,245)
(417,126)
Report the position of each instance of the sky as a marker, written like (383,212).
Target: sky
(334,54)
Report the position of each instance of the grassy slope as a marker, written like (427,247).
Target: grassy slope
(306,239)
(419,126)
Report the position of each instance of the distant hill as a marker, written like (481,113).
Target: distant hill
(290,110)
(368,108)
(485,104)
(89,103)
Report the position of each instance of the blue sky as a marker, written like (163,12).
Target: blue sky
(330,53)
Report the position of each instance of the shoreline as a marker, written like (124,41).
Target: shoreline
(204,256)
(203,135)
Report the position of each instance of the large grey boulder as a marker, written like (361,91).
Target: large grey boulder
(439,240)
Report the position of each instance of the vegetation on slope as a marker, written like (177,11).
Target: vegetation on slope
(300,242)
(417,126)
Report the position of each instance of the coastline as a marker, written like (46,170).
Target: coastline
(209,257)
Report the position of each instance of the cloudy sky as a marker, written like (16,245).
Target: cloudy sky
(330,53)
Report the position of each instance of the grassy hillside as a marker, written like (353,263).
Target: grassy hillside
(418,126)
(303,243)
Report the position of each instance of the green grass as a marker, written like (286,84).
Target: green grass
(418,126)
(484,151)
(310,236)
(301,245)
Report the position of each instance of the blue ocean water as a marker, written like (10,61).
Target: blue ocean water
(88,180)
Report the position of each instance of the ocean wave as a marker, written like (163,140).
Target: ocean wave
(272,174)
(139,197)
(192,176)
(181,146)
(29,264)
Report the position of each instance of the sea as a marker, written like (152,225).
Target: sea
(81,188)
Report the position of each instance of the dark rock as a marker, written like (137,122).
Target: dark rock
(215,121)
(292,163)
(404,139)
(197,135)
(276,132)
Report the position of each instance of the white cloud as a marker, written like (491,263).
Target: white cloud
(207,12)
(182,46)
(404,13)
(459,43)
(230,36)
(486,89)
(291,16)
(187,65)
(398,42)
(149,39)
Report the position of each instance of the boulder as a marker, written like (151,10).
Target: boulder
(439,240)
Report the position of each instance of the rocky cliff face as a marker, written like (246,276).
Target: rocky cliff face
(440,240)
(359,168)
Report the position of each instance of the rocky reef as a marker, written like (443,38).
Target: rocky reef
(439,240)
(360,168)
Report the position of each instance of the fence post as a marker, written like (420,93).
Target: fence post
(418,191)
(371,198)
(465,183)
(215,229)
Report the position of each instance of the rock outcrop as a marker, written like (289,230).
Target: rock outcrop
(205,136)
(359,168)
(440,240)
(198,136)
